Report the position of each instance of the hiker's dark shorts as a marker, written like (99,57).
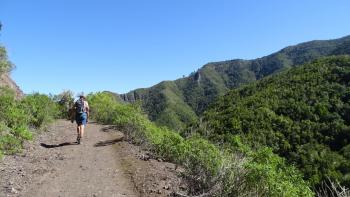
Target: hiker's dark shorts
(81,119)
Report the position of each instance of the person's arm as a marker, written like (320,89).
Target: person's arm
(87,111)
(72,113)
(88,115)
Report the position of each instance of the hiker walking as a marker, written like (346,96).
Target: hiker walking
(81,109)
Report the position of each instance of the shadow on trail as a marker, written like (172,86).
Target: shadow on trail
(57,145)
(109,128)
(108,142)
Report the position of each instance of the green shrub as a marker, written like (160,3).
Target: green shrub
(9,144)
(11,113)
(268,175)
(18,116)
(22,133)
(41,108)
(202,161)
(102,107)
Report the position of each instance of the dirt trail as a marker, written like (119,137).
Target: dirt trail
(103,165)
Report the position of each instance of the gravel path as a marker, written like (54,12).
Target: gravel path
(104,165)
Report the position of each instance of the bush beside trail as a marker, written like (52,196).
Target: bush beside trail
(20,118)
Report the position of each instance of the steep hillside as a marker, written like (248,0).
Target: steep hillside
(5,68)
(186,98)
(303,114)
(165,104)
(6,81)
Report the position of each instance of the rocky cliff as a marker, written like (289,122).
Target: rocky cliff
(7,81)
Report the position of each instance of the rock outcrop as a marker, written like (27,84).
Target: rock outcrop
(7,81)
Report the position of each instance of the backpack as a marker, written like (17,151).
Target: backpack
(79,106)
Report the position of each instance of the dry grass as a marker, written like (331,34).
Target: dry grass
(333,189)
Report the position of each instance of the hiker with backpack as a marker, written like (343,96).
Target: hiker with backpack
(81,109)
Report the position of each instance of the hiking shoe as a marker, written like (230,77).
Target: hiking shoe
(78,140)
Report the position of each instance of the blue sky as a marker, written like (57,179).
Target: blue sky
(87,45)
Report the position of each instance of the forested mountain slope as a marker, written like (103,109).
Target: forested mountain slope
(303,114)
(177,103)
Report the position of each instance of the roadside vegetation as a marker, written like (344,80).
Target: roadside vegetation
(21,117)
(209,169)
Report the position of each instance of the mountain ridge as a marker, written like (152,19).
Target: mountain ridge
(195,92)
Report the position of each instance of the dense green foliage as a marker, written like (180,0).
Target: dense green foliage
(18,118)
(302,114)
(177,103)
(14,123)
(40,108)
(208,169)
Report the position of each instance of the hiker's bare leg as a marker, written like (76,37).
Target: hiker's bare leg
(79,131)
(82,130)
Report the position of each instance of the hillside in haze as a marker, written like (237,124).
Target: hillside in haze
(180,102)
(302,114)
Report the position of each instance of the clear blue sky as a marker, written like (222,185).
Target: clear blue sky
(87,45)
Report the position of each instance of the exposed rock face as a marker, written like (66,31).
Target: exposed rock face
(6,81)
